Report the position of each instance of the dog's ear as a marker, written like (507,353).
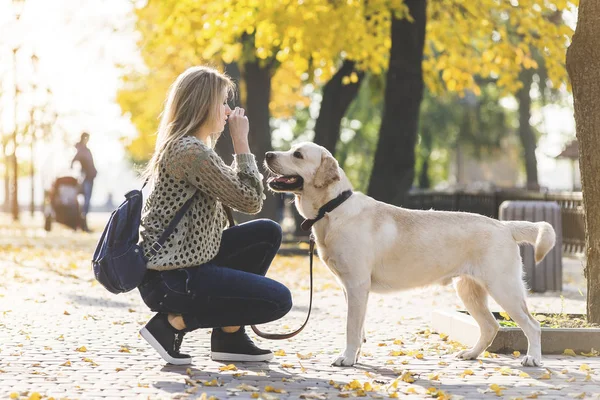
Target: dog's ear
(327,172)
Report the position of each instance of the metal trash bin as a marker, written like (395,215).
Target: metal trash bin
(547,275)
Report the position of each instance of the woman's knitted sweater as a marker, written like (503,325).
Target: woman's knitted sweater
(187,166)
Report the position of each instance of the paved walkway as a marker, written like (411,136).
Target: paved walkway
(64,336)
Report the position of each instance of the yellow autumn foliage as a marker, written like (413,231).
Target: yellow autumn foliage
(303,42)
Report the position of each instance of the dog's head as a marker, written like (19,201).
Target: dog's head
(304,165)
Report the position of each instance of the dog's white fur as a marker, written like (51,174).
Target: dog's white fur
(373,246)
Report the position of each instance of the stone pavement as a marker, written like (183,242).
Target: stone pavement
(64,336)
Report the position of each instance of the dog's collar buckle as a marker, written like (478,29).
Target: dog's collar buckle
(328,207)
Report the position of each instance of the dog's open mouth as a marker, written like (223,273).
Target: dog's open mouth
(282,183)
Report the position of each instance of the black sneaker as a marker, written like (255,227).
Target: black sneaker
(235,346)
(165,339)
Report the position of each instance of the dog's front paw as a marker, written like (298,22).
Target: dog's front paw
(530,361)
(467,355)
(346,359)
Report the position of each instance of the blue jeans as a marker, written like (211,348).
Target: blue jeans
(229,290)
(86,186)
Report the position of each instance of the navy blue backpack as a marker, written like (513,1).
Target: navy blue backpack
(119,262)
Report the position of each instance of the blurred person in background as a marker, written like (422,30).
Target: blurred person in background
(88,174)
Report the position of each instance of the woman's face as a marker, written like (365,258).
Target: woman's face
(222,114)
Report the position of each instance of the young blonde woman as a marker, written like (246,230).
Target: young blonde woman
(207,275)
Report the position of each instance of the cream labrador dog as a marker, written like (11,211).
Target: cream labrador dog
(373,246)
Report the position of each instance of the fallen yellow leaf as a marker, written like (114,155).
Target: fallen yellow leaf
(593,353)
(569,352)
(271,389)
(496,389)
(466,373)
(89,360)
(584,367)
(66,364)
(353,385)
(81,349)
(280,353)
(230,367)
(407,377)
(516,353)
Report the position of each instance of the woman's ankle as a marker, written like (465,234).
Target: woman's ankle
(176,321)
(230,329)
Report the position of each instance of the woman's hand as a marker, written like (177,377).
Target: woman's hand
(239,128)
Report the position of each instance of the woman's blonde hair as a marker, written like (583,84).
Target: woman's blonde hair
(194,99)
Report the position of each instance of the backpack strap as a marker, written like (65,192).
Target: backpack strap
(157,245)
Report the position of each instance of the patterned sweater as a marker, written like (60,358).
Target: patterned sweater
(187,166)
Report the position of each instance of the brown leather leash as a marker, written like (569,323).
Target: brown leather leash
(281,336)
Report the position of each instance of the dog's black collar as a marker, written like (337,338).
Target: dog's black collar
(328,207)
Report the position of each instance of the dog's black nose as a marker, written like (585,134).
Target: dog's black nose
(269,155)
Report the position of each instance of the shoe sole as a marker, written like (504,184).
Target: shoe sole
(216,356)
(163,353)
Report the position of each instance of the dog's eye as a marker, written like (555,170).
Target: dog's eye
(297,154)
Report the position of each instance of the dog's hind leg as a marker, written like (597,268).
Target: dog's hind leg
(509,293)
(474,296)
(357,298)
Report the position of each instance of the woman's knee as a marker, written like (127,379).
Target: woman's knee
(271,230)
(283,299)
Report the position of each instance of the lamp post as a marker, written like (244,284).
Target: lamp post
(33,129)
(18,6)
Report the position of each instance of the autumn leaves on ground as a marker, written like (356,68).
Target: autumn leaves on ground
(63,336)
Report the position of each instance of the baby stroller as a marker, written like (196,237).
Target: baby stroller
(61,204)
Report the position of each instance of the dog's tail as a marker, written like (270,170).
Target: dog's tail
(540,234)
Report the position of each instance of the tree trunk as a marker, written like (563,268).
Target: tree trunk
(526,134)
(583,66)
(7,172)
(394,167)
(258,96)
(337,97)
(14,195)
(426,149)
